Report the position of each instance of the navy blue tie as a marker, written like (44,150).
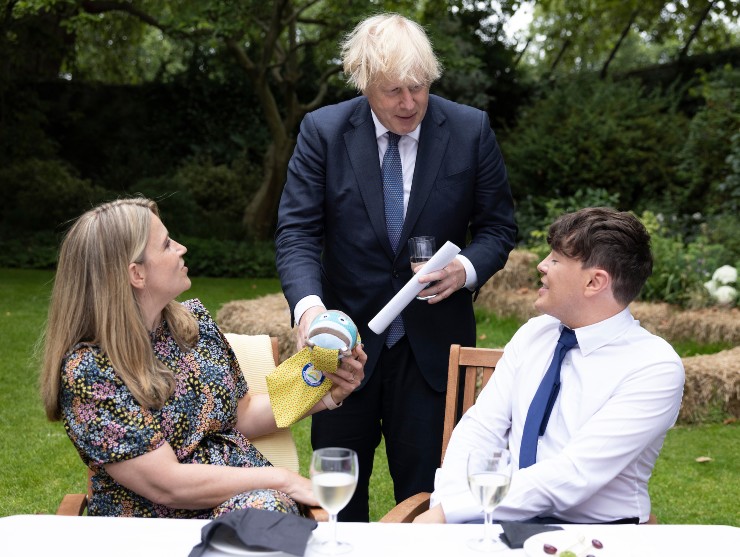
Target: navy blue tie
(392,174)
(539,410)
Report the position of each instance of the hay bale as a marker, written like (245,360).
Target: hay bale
(268,315)
(520,271)
(706,325)
(712,387)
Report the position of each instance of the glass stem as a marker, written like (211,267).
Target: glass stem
(487,521)
(333,520)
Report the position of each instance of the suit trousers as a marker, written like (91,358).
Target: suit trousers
(397,403)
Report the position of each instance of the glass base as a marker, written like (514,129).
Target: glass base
(331,547)
(486,545)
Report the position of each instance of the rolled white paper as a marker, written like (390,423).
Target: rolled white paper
(439,260)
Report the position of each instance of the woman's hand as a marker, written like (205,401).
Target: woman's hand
(299,489)
(349,374)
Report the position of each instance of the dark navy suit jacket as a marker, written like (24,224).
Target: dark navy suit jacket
(331,238)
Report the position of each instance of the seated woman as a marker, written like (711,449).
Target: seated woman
(148,388)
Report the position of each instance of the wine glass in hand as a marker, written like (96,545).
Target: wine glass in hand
(421,250)
(334,478)
(489,475)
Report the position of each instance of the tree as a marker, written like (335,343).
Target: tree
(287,48)
(592,34)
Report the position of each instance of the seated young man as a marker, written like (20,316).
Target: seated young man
(620,389)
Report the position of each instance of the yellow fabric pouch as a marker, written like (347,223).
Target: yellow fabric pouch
(300,382)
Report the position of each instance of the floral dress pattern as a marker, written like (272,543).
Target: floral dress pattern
(107,424)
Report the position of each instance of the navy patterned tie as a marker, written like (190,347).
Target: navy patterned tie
(393,200)
(539,410)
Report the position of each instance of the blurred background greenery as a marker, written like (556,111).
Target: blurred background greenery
(197,103)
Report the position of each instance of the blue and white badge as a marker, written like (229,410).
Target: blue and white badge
(312,376)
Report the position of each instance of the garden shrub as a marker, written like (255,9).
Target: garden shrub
(710,170)
(43,194)
(228,258)
(586,133)
(680,268)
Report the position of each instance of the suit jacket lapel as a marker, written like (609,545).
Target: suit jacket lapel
(432,146)
(362,148)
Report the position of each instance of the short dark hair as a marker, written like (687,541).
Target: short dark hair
(615,241)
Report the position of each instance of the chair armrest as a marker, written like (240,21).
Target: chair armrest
(73,504)
(408,509)
(317,513)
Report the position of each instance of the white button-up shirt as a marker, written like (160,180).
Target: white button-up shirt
(620,392)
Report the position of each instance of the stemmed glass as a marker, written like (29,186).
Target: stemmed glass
(334,478)
(489,475)
(421,250)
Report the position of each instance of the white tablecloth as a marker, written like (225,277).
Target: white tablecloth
(62,536)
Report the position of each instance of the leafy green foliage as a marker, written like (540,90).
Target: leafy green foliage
(591,134)
(679,267)
(37,192)
(711,155)
(229,258)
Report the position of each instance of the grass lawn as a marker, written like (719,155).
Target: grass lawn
(38,464)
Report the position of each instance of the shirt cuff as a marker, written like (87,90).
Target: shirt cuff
(305,303)
(471,277)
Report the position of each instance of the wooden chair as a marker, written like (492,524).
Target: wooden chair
(468,372)
(257,356)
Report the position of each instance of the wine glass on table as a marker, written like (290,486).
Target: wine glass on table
(421,250)
(334,478)
(489,476)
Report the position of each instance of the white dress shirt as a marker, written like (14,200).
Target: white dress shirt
(620,392)
(408,145)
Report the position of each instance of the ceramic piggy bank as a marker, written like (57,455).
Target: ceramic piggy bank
(333,329)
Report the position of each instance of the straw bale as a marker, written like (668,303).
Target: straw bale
(712,386)
(268,315)
(520,271)
(704,325)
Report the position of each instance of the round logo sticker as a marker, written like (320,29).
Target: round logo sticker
(312,376)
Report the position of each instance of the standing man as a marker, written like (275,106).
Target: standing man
(583,396)
(367,175)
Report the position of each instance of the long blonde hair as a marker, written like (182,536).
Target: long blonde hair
(93,301)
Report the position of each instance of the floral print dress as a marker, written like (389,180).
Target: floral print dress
(107,424)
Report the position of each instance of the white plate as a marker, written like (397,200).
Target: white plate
(566,539)
(225,540)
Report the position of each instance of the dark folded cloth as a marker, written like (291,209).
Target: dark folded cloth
(516,533)
(260,529)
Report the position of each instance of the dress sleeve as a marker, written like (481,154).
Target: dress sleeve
(101,416)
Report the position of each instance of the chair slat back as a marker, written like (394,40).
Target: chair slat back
(468,372)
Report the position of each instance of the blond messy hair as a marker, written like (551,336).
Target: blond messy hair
(389,47)
(93,301)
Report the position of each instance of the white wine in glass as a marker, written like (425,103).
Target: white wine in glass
(334,478)
(489,476)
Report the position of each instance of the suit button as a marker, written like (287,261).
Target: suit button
(395,274)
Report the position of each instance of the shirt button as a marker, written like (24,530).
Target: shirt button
(395,274)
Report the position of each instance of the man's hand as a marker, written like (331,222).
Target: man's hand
(435,515)
(349,375)
(449,280)
(302,329)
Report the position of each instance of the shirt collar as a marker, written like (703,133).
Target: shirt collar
(380,129)
(593,337)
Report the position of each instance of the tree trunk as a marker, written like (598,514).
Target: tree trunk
(613,53)
(695,30)
(260,215)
